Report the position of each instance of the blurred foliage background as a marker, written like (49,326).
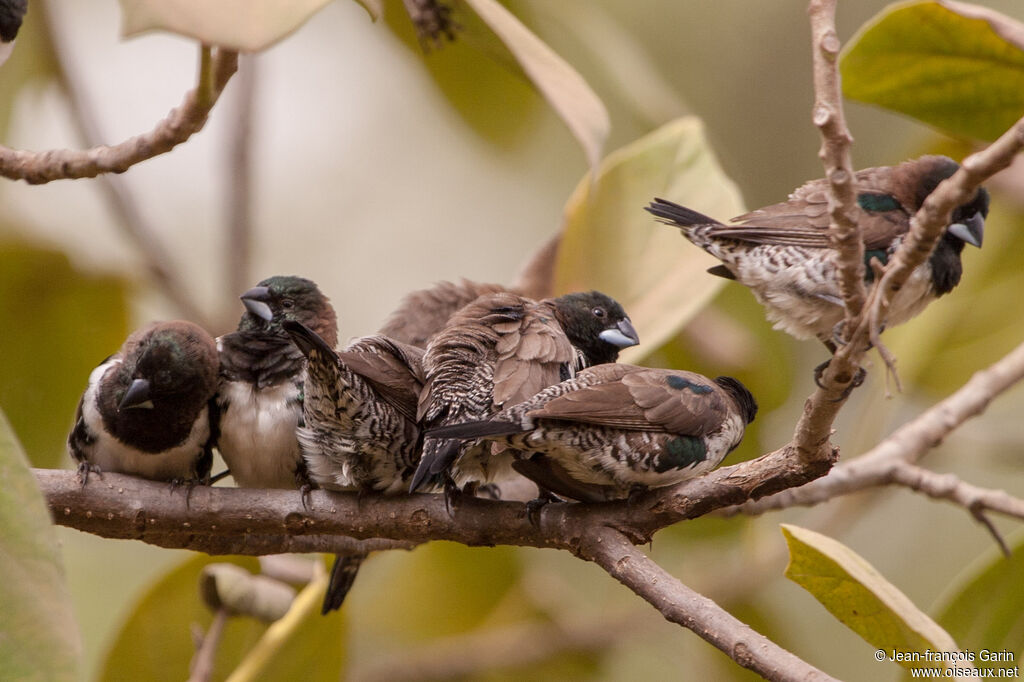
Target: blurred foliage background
(379,170)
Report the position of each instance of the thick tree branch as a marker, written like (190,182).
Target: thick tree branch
(122,506)
(613,552)
(181,123)
(234,520)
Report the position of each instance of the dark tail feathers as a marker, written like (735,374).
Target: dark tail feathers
(432,466)
(674,214)
(478,429)
(343,574)
(743,397)
(307,340)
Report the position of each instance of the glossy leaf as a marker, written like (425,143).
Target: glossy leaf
(983,607)
(611,244)
(46,305)
(245,25)
(559,83)
(859,596)
(39,637)
(955,66)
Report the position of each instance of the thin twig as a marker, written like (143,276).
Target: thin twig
(814,429)
(929,223)
(201,669)
(239,172)
(122,201)
(179,125)
(836,140)
(908,444)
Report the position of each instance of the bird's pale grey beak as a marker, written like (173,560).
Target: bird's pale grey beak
(621,335)
(970,231)
(137,396)
(255,301)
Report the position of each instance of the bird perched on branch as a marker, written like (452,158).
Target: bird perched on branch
(783,253)
(261,377)
(360,430)
(146,410)
(616,429)
(500,350)
(423,313)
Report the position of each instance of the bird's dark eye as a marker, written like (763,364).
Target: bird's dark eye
(287,303)
(163,377)
(598,312)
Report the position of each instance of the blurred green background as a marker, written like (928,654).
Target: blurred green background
(369,181)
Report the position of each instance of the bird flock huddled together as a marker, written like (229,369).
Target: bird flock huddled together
(469,385)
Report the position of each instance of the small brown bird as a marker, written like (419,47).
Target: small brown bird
(359,429)
(613,430)
(783,254)
(146,410)
(423,313)
(500,350)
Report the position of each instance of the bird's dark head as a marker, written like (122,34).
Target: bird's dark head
(967,225)
(281,298)
(743,398)
(168,362)
(596,324)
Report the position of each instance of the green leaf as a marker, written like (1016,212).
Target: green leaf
(58,324)
(245,25)
(611,244)
(859,596)
(982,608)
(556,80)
(39,637)
(952,65)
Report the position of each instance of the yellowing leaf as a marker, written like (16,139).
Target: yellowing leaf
(955,66)
(245,25)
(39,638)
(859,596)
(612,244)
(560,84)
